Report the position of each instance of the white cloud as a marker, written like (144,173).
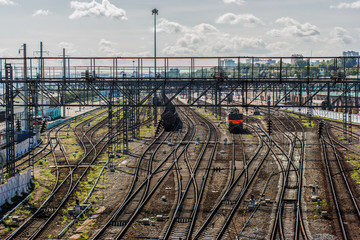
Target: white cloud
(279,48)
(205,40)
(7,2)
(107,47)
(248,20)
(341,36)
(110,49)
(238,2)
(204,28)
(41,12)
(70,48)
(276,46)
(5,52)
(137,54)
(95,9)
(166,26)
(347,5)
(293,28)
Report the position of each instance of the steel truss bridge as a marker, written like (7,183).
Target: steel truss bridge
(36,82)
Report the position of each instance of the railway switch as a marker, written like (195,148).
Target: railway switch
(159,218)
(314,196)
(251,205)
(77,208)
(318,207)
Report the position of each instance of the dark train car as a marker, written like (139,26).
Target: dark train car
(234,120)
(169,118)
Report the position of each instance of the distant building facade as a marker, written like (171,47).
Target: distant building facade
(228,63)
(350,54)
(296,57)
(259,61)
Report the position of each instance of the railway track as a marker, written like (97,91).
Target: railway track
(215,226)
(192,182)
(166,160)
(34,226)
(290,193)
(42,151)
(345,203)
(48,150)
(142,187)
(47,207)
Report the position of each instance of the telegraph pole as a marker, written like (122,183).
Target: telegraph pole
(27,117)
(155,12)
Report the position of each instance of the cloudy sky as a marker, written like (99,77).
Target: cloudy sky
(184,28)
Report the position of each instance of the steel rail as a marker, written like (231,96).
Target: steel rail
(148,196)
(246,187)
(333,191)
(349,190)
(20,228)
(192,180)
(131,194)
(299,219)
(71,189)
(227,192)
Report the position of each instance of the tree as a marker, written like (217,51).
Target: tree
(301,63)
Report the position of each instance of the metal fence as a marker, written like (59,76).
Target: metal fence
(355,118)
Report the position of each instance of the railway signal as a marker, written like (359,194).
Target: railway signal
(18,126)
(269,127)
(321,126)
(43,126)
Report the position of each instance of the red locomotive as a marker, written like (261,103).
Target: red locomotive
(234,120)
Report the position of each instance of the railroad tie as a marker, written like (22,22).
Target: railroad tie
(183,220)
(118,224)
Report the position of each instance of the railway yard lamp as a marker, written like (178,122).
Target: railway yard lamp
(269,120)
(155,12)
(133,68)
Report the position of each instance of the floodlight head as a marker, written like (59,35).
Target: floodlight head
(155,11)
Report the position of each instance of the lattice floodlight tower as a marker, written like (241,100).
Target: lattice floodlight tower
(10,121)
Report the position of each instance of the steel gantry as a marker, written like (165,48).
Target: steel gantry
(329,83)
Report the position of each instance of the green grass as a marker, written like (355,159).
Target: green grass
(94,171)
(356,164)
(308,124)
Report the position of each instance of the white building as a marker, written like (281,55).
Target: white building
(228,63)
(350,54)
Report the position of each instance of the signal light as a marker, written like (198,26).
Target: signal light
(43,126)
(159,127)
(269,127)
(321,126)
(18,126)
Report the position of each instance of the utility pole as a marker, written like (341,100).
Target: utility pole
(42,77)
(63,95)
(155,12)
(27,95)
